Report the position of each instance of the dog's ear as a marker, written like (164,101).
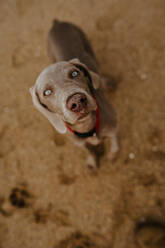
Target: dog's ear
(54,118)
(94,78)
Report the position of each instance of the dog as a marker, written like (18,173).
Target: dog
(69,92)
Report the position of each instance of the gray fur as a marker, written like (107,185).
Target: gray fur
(69,47)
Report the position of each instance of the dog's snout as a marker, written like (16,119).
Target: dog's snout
(77,102)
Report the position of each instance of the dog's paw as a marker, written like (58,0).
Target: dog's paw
(112,156)
(91,163)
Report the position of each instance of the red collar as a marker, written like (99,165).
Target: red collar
(93,131)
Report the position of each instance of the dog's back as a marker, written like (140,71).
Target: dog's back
(66,41)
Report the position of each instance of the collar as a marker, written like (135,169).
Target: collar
(92,132)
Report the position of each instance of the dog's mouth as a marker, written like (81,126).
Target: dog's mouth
(83,115)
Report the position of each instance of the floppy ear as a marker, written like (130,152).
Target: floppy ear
(93,77)
(54,118)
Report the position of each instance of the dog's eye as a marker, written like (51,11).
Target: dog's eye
(47,92)
(74,74)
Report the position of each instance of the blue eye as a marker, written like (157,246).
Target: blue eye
(74,73)
(47,92)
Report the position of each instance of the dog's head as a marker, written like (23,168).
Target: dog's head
(64,93)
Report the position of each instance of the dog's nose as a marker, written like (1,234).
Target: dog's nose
(77,102)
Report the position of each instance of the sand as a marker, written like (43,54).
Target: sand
(48,198)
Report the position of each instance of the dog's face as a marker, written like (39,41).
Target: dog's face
(64,93)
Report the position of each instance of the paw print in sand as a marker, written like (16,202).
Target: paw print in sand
(150,235)
(20,197)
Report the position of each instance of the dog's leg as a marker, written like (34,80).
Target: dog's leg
(92,157)
(95,152)
(91,162)
(114,145)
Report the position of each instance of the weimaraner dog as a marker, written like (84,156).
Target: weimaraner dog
(69,93)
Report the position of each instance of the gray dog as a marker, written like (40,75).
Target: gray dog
(69,92)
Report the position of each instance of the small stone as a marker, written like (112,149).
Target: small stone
(6,109)
(131,155)
(143,76)
(6,209)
